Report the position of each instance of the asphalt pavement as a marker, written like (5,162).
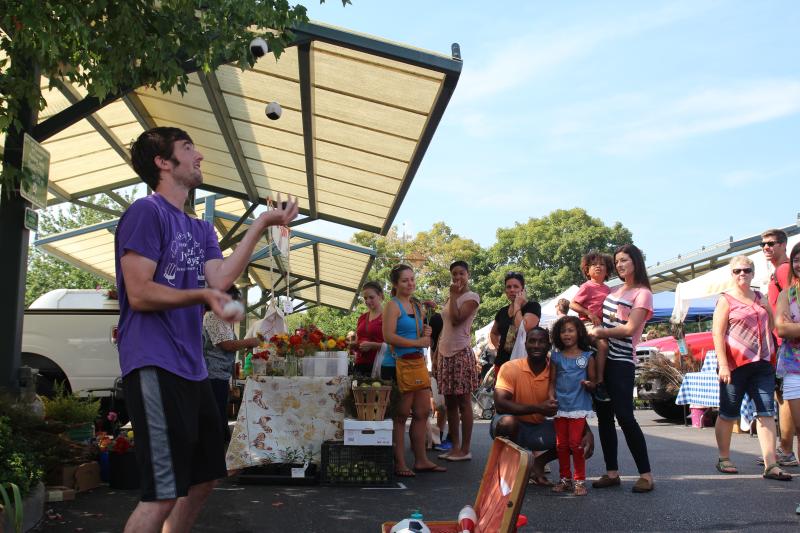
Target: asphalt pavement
(689,495)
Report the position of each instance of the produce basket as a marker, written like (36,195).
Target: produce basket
(371,402)
(356,465)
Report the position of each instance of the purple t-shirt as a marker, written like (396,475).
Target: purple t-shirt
(180,245)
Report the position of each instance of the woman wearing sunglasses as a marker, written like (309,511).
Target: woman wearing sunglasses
(742,331)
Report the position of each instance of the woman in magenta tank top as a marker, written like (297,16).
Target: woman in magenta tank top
(745,350)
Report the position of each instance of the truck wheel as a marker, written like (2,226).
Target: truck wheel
(668,409)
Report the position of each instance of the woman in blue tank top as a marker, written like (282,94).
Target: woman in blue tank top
(407,335)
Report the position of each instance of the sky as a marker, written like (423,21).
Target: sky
(681,120)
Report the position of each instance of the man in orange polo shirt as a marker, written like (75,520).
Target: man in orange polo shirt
(522,404)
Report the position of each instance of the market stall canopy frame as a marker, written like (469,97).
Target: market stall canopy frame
(358,115)
(320,271)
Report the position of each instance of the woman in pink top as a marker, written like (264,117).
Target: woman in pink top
(456,369)
(742,331)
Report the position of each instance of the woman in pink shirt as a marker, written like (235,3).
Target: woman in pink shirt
(742,330)
(456,369)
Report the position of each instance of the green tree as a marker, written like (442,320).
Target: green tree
(330,320)
(429,252)
(108,47)
(548,252)
(46,272)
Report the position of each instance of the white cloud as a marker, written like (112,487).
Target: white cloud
(522,59)
(634,123)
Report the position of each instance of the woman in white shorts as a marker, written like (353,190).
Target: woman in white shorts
(787,321)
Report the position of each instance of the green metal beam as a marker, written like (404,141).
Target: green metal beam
(306,72)
(219,107)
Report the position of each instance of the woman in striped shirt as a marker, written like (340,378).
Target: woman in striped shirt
(625,311)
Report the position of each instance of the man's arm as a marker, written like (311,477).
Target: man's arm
(234,345)
(144,294)
(221,273)
(505,404)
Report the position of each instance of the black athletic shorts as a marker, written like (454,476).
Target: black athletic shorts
(177,432)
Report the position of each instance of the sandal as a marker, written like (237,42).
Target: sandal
(780,475)
(404,473)
(565,485)
(580,488)
(725,466)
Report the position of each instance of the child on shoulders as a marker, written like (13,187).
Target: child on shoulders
(588,303)
(572,376)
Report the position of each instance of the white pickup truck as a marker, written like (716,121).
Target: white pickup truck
(69,335)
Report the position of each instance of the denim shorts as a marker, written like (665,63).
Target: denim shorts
(535,437)
(758,381)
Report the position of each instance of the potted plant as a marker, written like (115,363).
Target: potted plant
(76,413)
(123,471)
(22,494)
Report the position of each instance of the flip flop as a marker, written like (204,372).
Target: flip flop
(467,457)
(435,469)
(540,481)
(404,473)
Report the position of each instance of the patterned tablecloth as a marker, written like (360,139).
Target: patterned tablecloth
(702,388)
(280,418)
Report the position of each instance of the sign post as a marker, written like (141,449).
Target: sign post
(35,172)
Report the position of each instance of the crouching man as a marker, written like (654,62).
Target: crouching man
(522,405)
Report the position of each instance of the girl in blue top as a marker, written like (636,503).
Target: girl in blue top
(572,377)
(407,335)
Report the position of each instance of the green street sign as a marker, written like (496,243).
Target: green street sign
(31,219)
(35,172)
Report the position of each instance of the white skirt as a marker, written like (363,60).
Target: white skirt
(791,387)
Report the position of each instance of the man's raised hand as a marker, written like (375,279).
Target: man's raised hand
(283,213)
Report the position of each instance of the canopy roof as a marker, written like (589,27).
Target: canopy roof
(320,270)
(666,275)
(358,116)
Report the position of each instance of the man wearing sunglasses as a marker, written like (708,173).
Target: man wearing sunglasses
(773,244)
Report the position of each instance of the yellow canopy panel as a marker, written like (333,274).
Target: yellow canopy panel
(358,116)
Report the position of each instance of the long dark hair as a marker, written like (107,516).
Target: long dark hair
(584,342)
(639,269)
(792,276)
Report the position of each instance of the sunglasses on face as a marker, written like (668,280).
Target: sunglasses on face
(769,244)
(738,271)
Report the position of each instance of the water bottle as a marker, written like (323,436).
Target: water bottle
(467,520)
(414,524)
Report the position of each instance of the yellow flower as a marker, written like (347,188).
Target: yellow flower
(321,345)
(341,338)
(331,343)
(130,434)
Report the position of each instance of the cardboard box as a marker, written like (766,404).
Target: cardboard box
(59,494)
(367,432)
(87,476)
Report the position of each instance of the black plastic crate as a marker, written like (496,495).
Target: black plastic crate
(356,465)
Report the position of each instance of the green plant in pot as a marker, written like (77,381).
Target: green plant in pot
(76,413)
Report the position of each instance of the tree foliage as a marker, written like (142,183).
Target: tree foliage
(548,252)
(109,47)
(45,272)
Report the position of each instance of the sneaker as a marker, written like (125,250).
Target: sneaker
(580,488)
(787,459)
(784,459)
(600,393)
(565,485)
(444,446)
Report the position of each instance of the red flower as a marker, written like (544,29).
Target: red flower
(273,339)
(121,444)
(315,336)
(295,340)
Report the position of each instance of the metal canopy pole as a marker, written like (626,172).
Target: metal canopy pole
(14,239)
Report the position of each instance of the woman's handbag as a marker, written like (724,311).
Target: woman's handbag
(412,374)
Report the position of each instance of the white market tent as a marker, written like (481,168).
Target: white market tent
(549,307)
(719,280)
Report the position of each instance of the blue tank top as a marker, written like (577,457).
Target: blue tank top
(407,327)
